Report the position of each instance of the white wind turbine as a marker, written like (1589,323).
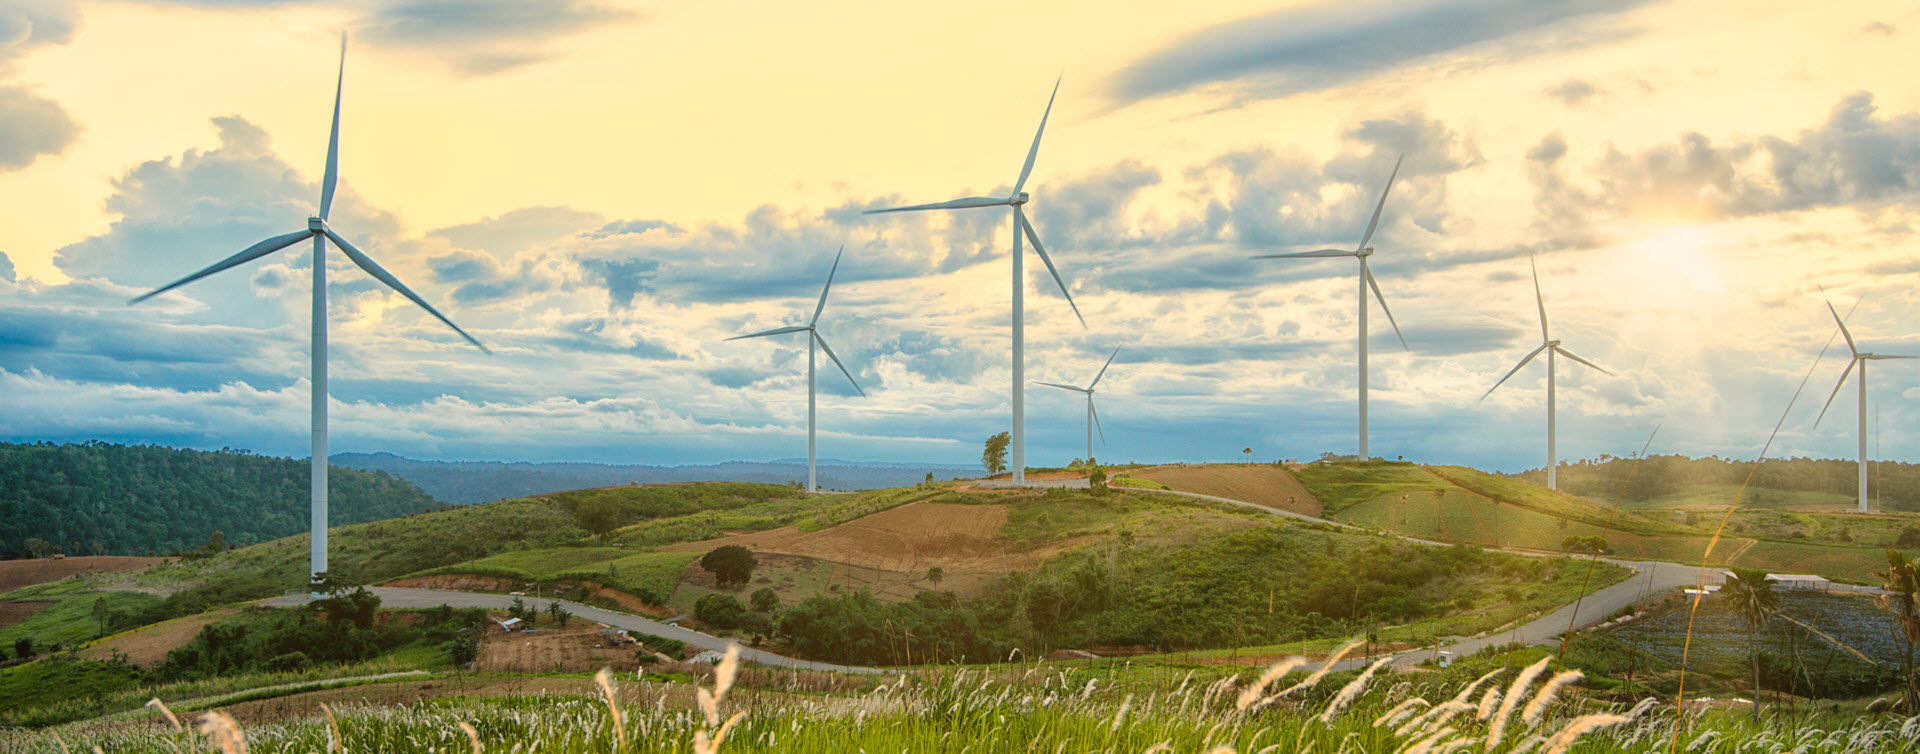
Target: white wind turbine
(1860,360)
(1093,415)
(1361,252)
(1552,347)
(1017,200)
(318,230)
(813,337)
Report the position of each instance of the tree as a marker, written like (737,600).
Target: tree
(731,565)
(1901,582)
(721,610)
(23,647)
(929,481)
(1909,539)
(518,609)
(101,614)
(216,543)
(995,456)
(40,548)
(560,614)
(1097,479)
(598,516)
(463,651)
(936,574)
(765,600)
(1248,452)
(1752,598)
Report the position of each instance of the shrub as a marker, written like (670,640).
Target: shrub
(731,565)
(765,600)
(721,610)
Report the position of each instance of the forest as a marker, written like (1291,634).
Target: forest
(100,498)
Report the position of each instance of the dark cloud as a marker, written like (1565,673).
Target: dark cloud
(1573,92)
(479,37)
(27,24)
(1321,45)
(6,268)
(32,125)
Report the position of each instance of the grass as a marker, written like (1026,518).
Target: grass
(1015,710)
(69,620)
(1558,504)
(1716,496)
(619,568)
(1457,515)
(1342,485)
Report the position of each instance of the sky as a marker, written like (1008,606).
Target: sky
(604,191)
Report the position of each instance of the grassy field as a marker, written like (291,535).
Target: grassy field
(1340,486)
(1715,496)
(621,568)
(69,619)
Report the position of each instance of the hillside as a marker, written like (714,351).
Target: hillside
(466,482)
(105,499)
(1675,481)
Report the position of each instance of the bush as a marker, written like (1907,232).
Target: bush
(463,650)
(720,610)
(765,600)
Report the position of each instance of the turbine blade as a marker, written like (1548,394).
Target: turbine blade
(1836,392)
(372,268)
(971,201)
(836,362)
(829,286)
(1569,354)
(1062,387)
(1879,356)
(1103,369)
(1033,237)
(1306,254)
(1383,306)
(1034,151)
(333,141)
(1840,322)
(1516,368)
(249,254)
(778,331)
(1538,299)
(1096,420)
(1375,222)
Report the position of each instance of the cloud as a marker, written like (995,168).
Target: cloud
(1323,45)
(479,37)
(1573,92)
(32,126)
(6,268)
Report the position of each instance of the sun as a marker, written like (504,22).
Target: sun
(1684,257)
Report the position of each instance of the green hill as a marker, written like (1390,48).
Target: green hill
(104,499)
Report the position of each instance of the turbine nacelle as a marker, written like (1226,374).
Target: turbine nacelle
(316,225)
(1366,252)
(1018,199)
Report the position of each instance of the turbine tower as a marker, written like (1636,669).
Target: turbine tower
(1017,200)
(1860,360)
(1552,347)
(1361,252)
(1093,416)
(318,230)
(813,337)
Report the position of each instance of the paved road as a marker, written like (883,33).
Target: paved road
(424,598)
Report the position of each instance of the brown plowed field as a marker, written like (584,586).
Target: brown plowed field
(17,574)
(912,537)
(149,646)
(578,648)
(15,612)
(1260,484)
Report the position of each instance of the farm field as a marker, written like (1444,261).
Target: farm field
(17,574)
(1260,484)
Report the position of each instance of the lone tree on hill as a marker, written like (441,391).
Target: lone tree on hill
(731,565)
(1248,452)
(1752,598)
(1097,479)
(995,456)
(1901,581)
(598,516)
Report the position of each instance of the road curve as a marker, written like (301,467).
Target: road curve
(426,598)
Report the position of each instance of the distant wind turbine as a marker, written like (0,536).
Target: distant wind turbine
(1017,200)
(1860,360)
(318,230)
(1361,252)
(1552,347)
(813,337)
(1093,415)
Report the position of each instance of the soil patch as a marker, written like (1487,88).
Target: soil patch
(17,574)
(912,537)
(578,648)
(459,582)
(1260,484)
(149,645)
(17,612)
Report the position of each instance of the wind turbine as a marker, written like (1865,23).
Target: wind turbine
(813,337)
(1860,360)
(1093,416)
(1017,200)
(318,230)
(1361,252)
(1552,347)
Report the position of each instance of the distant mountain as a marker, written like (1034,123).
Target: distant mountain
(99,498)
(465,482)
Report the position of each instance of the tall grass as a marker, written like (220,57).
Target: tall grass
(1011,710)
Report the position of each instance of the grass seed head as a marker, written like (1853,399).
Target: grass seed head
(224,732)
(162,706)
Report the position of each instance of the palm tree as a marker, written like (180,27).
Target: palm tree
(1901,581)
(1751,596)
